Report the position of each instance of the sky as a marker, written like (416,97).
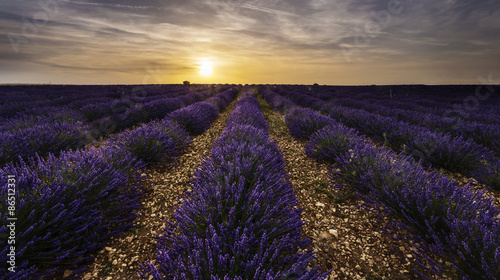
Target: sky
(348,42)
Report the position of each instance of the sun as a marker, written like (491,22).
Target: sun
(206,68)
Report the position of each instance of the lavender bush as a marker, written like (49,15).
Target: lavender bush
(28,121)
(131,117)
(331,141)
(42,139)
(158,109)
(223,99)
(159,141)
(247,115)
(67,208)
(195,118)
(278,102)
(97,111)
(304,122)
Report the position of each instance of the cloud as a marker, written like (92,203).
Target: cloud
(126,36)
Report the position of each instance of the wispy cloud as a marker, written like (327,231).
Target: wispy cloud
(113,5)
(119,39)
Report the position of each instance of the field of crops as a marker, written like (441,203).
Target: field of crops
(250,182)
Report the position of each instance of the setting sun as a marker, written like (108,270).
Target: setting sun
(206,68)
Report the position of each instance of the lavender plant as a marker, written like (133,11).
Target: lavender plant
(97,111)
(304,122)
(331,141)
(155,142)
(195,118)
(67,208)
(223,99)
(278,102)
(42,139)
(247,115)
(158,109)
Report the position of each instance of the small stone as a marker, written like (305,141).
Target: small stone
(319,204)
(334,232)
(357,267)
(325,236)
(402,248)
(134,259)
(115,262)
(87,276)
(109,249)
(409,256)
(67,273)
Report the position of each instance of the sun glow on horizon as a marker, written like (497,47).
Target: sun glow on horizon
(206,68)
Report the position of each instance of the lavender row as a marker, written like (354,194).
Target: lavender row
(432,149)
(15,100)
(449,106)
(27,137)
(119,115)
(90,106)
(487,135)
(70,205)
(442,150)
(240,221)
(436,98)
(448,221)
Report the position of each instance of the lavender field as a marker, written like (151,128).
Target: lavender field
(220,181)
